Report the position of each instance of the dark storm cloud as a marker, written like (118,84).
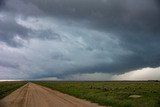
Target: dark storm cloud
(10,29)
(106,14)
(135,23)
(47,35)
(8,65)
(1,2)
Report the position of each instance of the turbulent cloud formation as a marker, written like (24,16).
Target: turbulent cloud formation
(87,39)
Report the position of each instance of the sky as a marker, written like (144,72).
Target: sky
(80,39)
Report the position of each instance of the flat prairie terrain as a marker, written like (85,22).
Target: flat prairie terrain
(8,87)
(32,95)
(112,93)
(57,94)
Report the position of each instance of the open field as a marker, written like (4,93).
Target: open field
(115,94)
(7,87)
(112,94)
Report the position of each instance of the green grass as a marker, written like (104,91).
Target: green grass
(8,87)
(114,94)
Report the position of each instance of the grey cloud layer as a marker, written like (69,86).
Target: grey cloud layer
(83,36)
(108,15)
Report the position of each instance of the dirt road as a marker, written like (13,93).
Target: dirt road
(32,95)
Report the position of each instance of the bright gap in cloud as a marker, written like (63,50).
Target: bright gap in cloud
(142,74)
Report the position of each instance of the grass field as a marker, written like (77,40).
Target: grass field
(114,94)
(7,87)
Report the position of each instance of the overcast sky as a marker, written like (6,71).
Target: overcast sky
(80,39)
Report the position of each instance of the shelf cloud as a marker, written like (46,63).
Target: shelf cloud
(79,39)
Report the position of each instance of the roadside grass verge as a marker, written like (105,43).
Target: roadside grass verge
(114,94)
(8,87)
